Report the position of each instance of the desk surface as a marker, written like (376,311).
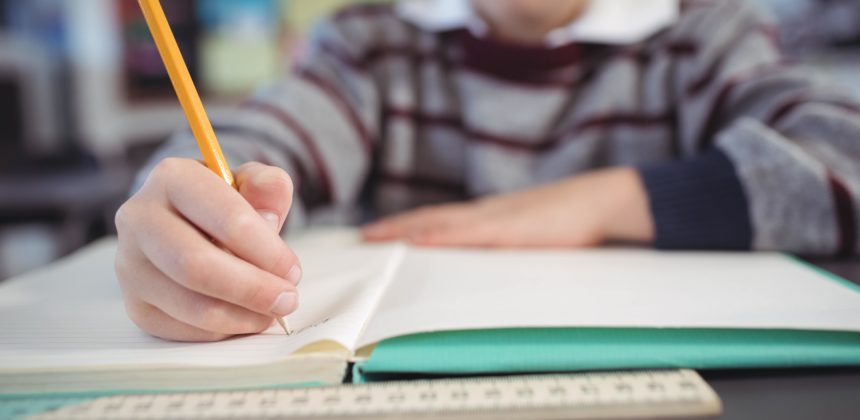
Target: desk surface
(797,393)
(831,393)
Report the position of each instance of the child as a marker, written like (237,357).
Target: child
(544,123)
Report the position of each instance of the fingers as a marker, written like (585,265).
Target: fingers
(185,256)
(267,189)
(197,261)
(473,235)
(188,307)
(158,324)
(417,222)
(222,213)
(453,225)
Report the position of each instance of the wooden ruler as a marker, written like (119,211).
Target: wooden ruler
(660,393)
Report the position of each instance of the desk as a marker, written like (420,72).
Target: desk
(830,393)
(797,393)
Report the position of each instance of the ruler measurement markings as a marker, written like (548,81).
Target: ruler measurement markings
(593,393)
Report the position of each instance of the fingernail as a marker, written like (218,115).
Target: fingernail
(272,219)
(294,276)
(285,304)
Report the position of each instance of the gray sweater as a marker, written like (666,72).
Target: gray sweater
(737,148)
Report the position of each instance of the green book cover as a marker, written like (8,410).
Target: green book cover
(575,349)
(579,349)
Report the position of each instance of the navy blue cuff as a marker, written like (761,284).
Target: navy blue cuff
(698,203)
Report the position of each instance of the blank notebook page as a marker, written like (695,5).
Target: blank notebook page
(72,314)
(444,289)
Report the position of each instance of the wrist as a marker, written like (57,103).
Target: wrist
(626,210)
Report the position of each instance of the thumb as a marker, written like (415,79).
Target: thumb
(268,189)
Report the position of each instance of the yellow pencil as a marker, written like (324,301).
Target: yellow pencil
(188,96)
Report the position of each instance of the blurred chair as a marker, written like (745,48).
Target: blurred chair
(53,196)
(28,91)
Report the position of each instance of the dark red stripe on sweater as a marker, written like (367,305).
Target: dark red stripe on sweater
(677,47)
(305,138)
(682,48)
(643,54)
(452,121)
(612,120)
(717,114)
(424,182)
(340,102)
(364,11)
(787,107)
(251,133)
(407,51)
(357,64)
(527,82)
(531,144)
(437,57)
(711,126)
(517,61)
(845,215)
(711,74)
(687,6)
(364,63)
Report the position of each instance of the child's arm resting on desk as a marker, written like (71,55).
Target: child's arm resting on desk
(585,210)
(199,261)
(768,160)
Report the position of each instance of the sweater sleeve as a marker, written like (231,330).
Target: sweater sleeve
(770,157)
(319,123)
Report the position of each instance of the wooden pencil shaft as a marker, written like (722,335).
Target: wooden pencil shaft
(188,96)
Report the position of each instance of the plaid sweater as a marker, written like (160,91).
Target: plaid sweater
(737,148)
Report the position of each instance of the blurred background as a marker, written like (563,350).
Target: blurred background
(84,98)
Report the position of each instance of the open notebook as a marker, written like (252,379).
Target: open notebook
(64,328)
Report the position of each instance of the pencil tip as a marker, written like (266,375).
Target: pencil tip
(283,325)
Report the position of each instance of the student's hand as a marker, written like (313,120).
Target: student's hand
(581,211)
(199,261)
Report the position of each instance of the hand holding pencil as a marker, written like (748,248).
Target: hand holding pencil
(198,259)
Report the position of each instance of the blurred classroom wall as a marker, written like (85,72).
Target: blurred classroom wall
(84,98)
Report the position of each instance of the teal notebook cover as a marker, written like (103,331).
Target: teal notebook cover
(579,349)
(575,349)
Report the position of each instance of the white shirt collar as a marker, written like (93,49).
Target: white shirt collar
(617,22)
